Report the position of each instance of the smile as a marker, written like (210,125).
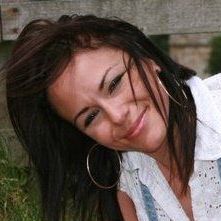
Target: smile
(137,126)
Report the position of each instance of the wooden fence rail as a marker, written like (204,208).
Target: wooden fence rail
(153,16)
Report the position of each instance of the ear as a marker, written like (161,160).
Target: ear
(155,67)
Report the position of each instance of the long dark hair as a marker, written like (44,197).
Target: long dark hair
(57,149)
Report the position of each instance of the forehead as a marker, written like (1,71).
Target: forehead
(94,62)
(89,65)
(84,72)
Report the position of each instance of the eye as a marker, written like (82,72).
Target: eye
(90,118)
(115,82)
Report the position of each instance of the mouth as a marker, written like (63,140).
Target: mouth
(136,127)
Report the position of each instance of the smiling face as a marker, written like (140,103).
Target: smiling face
(94,94)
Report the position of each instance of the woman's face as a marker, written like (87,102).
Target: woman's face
(94,94)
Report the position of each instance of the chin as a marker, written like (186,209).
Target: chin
(154,142)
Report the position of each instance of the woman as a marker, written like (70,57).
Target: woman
(114,126)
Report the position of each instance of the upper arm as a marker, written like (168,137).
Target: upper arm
(126,206)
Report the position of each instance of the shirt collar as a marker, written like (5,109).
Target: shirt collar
(208,131)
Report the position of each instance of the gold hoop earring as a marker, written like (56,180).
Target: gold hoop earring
(89,171)
(170,96)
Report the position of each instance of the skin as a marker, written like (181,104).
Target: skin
(114,111)
(127,207)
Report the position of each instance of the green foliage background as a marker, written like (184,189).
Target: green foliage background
(162,41)
(214,65)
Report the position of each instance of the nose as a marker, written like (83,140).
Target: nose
(117,113)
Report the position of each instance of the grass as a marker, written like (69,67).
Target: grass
(18,192)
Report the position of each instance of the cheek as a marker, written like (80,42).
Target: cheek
(101,133)
(141,93)
(161,97)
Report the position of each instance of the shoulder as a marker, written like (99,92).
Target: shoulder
(127,206)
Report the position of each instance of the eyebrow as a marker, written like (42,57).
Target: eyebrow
(100,88)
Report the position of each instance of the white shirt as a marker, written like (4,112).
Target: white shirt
(141,171)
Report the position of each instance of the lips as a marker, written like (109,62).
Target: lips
(136,126)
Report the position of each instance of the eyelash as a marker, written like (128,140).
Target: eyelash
(113,85)
(90,118)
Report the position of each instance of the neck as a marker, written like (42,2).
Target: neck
(163,158)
